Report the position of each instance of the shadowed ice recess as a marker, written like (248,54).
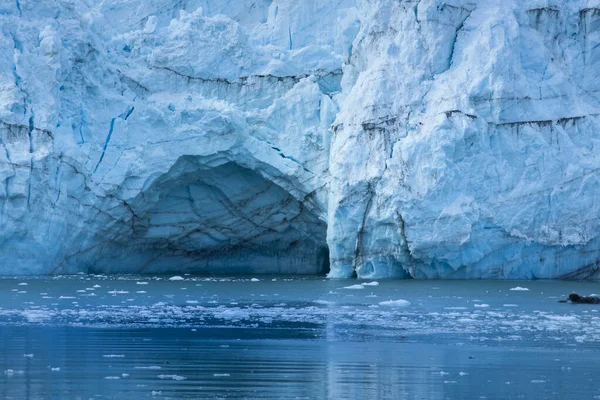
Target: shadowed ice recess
(377,139)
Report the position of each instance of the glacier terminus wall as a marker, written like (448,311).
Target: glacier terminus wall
(369,138)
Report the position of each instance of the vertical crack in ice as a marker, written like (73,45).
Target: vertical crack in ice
(361,230)
(81,123)
(290,36)
(459,28)
(29,184)
(405,245)
(124,117)
(30,129)
(106,142)
(19,8)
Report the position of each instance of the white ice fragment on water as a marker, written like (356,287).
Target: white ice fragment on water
(482,305)
(28,355)
(150,367)
(192,301)
(174,377)
(355,287)
(455,308)
(112,377)
(96,286)
(141,291)
(374,283)
(232,315)
(55,369)
(156,393)
(113,355)
(218,375)
(176,278)
(324,302)
(81,291)
(141,283)
(443,373)
(11,372)
(463,373)
(538,381)
(67,297)
(395,303)
(124,375)
(519,289)
(510,305)
(22,284)
(254,280)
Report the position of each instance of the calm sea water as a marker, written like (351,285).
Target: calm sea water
(127,337)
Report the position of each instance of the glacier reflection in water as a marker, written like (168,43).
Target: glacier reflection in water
(139,337)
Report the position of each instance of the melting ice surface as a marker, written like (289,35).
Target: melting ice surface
(285,337)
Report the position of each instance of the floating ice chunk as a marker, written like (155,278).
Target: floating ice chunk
(124,375)
(217,375)
(482,305)
(149,367)
(191,301)
(395,303)
(12,372)
(115,292)
(176,278)
(174,377)
(355,287)
(443,373)
(538,381)
(112,377)
(143,283)
(510,305)
(113,355)
(374,283)
(22,284)
(254,280)
(519,289)
(55,369)
(233,315)
(324,302)
(28,355)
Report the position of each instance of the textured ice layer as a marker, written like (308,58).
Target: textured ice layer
(427,139)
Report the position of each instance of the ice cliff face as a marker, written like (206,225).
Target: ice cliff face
(427,139)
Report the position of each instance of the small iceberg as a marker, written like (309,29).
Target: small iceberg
(395,303)
(519,289)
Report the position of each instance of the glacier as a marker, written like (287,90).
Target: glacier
(369,138)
